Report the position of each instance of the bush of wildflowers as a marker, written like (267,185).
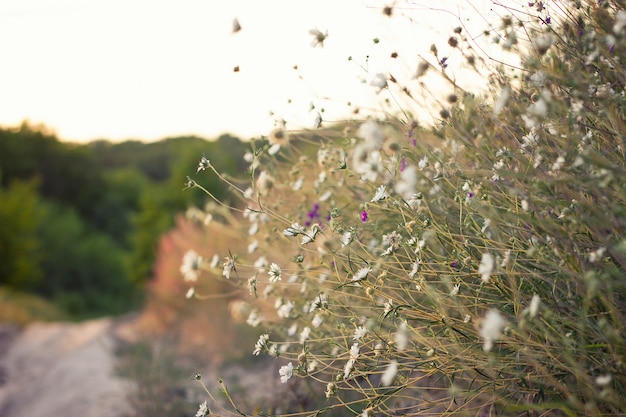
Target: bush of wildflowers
(472,268)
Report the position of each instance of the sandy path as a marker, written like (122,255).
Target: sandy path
(62,369)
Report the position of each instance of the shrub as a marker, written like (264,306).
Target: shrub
(473,268)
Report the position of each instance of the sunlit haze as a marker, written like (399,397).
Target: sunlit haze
(152,69)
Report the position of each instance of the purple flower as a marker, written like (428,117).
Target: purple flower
(364,216)
(453,264)
(470,194)
(443,63)
(313,214)
(402,164)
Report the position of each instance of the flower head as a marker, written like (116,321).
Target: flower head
(277,138)
(229,266)
(381,194)
(203,164)
(389,374)
(274,273)
(359,333)
(285,372)
(261,344)
(486,267)
(190,267)
(373,135)
(203,410)
(491,328)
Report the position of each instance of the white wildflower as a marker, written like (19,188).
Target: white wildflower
(310,237)
(304,335)
(277,138)
(558,164)
(284,309)
(359,333)
(388,306)
(297,185)
(455,290)
(367,162)
(265,182)
(597,254)
(254,318)
(203,164)
(317,321)
(373,135)
(331,389)
(346,238)
(361,274)
(544,42)
(504,97)
(407,183)
(190,293)
(620,22)
(604,380)
(190,267)
(354,351)
(229,266)
(538,109)
(252,246)
(203,410)
(389,374)
(293,230)
(261,344)
(260,264)
(486,224)
(491,328)
(533,308)
(486,267)
(252,285)
(354,354)
(326,195)
(274,273)
(320,302)
(381,194)
(285,372)
(525,205)
(402,337)
(379,81)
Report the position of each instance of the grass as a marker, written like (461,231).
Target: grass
(21,308)
(480,274)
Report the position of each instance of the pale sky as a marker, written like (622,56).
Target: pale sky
(149,69)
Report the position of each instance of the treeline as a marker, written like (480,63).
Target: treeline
(79,224)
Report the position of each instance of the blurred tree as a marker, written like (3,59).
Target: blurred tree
(21,216)
(84,268)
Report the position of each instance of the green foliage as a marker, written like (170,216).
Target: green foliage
(84,230)
(84,269)
(20,216)
(66,173)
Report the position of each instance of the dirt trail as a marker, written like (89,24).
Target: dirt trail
(61,369)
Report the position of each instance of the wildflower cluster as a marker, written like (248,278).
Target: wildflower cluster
(473,268)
